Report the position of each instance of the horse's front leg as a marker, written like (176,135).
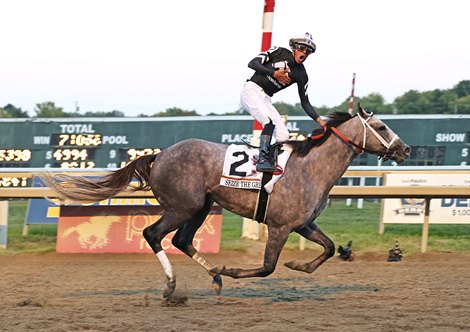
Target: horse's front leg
(277,237)
(313,233)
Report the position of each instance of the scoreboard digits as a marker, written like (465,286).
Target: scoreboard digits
(72,154)
(75,164)
(133,154)
(76,140)
(80,150)
(15,155)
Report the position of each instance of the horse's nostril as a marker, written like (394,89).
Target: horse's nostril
(408,150)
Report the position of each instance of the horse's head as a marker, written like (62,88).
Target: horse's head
(379,139)
(363,132)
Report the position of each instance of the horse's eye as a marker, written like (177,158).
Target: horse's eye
(382,127)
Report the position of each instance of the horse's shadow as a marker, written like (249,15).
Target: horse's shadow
(264,291)
(281,290)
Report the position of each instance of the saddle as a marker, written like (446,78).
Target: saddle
(239,171)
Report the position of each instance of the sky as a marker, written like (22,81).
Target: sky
(145,56)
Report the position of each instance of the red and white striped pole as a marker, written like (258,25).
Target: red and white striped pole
(251,228)
(268,16)
(351,99)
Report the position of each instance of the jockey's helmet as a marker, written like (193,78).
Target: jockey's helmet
(305,39)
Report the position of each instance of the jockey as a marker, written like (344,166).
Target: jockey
(276,69)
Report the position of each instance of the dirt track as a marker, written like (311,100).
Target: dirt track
(122,292)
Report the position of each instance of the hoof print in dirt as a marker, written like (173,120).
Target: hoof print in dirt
(175,300)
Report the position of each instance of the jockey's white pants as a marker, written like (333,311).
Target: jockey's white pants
(259,105)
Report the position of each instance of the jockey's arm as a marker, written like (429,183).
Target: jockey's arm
(308,108)
(257,65)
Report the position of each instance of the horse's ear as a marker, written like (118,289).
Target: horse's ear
(362,112)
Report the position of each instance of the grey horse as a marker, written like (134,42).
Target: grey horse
(187,191)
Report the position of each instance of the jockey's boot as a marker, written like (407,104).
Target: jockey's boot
(265,161)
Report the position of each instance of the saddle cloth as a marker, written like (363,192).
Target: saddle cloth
(240,171)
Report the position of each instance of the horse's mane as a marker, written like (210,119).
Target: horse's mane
(302,148)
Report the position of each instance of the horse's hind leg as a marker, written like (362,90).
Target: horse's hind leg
(154,235)
(183,240)
(313,233)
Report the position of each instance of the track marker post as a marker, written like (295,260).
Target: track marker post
(351,106)
(3,224)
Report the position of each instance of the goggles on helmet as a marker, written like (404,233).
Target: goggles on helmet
(304,48)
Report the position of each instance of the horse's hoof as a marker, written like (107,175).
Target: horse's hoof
(293,265)
(170,288)
(217,283)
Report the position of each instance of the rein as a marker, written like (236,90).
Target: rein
(385,155)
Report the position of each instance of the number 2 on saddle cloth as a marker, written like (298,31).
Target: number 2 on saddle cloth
(239,171)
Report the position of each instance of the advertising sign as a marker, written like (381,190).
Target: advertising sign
(442,210)
(118,229)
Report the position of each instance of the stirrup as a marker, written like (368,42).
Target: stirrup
(266,167)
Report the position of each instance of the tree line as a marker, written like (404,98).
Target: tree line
(448,101)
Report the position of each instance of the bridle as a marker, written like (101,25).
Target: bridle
(365,125)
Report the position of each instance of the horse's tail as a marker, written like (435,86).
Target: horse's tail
(86,189)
